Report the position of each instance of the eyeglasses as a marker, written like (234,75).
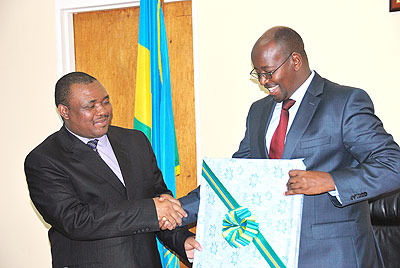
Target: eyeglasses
(267,75)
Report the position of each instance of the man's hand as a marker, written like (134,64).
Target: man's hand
(190,245)
(309,182)
(169,212)
(175,203)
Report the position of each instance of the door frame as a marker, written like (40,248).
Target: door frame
(64,10)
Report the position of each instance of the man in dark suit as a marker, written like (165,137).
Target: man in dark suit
(349,156)
(98,186)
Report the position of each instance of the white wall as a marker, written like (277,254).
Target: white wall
(350,42)
(27,77)
(355,43)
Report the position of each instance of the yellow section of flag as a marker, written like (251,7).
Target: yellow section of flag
(143,87)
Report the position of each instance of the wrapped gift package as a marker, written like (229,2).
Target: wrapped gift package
(244,219)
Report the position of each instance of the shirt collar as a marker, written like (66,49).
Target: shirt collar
(299,93)
(102,140)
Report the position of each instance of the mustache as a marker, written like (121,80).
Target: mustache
(105,116)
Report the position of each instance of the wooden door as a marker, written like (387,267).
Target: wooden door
(106,47)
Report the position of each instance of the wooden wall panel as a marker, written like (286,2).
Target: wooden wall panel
(106,47)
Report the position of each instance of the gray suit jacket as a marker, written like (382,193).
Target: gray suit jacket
(335,130)
(95,221)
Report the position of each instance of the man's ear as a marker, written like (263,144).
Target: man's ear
(298,61)
(64,111)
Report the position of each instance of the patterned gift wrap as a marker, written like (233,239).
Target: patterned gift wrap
(244,219)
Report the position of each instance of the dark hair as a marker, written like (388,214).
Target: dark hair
(290,40)
(63,85)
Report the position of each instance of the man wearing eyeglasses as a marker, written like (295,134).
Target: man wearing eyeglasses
(349,156)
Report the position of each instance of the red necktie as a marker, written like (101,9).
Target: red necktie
(278,139)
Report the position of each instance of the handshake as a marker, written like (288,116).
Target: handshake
(169,212)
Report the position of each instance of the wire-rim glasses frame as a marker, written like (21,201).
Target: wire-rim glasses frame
(268,75)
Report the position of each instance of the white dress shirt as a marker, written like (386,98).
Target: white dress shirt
(106,153)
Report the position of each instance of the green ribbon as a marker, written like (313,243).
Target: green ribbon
(239,227)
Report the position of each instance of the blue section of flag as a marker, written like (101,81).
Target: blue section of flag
(163,130)
(152,35)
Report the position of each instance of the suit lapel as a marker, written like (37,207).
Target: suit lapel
(81,153)
(304,115)
(265,119)
(124,161)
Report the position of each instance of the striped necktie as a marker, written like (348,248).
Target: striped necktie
(93,145)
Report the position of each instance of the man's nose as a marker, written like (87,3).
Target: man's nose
(101,109)
(263,80)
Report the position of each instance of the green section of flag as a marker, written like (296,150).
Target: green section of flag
(142,127)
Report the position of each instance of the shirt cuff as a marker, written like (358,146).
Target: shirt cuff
(335,193)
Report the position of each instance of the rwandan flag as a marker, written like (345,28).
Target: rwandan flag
(153,100)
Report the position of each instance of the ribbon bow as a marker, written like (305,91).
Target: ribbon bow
(239,227)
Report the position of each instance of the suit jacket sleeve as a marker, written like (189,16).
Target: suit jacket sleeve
(376,153)
(175,239)
(190,203)
(61,205)
(244,147)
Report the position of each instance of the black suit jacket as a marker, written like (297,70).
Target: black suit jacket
(96,221)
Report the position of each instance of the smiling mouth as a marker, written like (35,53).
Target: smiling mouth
(272,89)
(102,122)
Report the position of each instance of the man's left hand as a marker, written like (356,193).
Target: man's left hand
(309,182)
(190,245)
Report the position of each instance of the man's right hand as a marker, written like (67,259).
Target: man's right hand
(169,213)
